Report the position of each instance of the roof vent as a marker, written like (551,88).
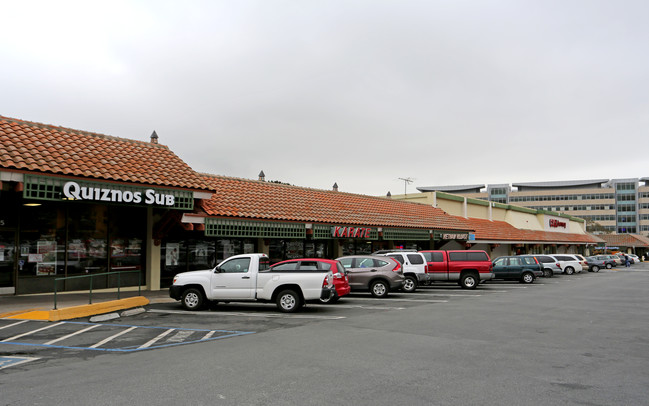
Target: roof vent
(262,176)
(154,138)
(335,188)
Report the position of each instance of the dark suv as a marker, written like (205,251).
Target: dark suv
(519,268)
(379,275)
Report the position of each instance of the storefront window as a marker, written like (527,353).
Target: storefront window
(87,231)
(42,241)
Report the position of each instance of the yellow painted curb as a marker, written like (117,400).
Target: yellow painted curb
(8,315)
(76,312)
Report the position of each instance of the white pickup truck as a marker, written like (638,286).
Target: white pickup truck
(248,278)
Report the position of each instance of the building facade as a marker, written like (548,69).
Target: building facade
(608,205)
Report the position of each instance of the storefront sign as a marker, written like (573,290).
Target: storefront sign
(350,232)
(556,223)
(455,236)
(72,190)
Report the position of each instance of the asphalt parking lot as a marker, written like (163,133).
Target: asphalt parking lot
(578,339)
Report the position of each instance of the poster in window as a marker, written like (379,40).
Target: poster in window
(46,251)
(172,253)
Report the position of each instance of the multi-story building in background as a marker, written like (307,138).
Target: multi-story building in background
(618,206)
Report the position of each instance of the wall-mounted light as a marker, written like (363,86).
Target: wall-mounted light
(31,204)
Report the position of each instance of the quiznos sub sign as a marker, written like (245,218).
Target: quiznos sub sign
(72,190)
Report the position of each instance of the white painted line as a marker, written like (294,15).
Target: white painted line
(6,362)
(251,314)
(208,335)
(154,340)
(14,324)
(99,344)
(31,332)
(71,334)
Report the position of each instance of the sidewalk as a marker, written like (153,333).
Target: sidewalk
(103,301)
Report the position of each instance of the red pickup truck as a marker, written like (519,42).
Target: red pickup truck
(468,268)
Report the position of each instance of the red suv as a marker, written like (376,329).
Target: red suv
(341,281)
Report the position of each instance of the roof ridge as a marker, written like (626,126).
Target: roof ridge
(310,188)
(79,132)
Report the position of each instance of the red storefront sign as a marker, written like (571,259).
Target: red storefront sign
(350,232)
(556,223)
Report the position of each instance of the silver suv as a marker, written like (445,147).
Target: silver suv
(378,275)
(549,264)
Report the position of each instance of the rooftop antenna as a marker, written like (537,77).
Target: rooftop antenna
(406,182)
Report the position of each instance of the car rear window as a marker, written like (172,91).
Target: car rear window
(564,258)
(416,259)
(380,263)
(309,266)
(468,256)
(289,266)
(397,257)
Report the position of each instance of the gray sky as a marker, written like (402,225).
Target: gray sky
(361,93)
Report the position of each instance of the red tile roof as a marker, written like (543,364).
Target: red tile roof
(260,200)
(503,231)
(48,149)
(624,240)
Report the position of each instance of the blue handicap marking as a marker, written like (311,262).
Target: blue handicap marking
(6,362)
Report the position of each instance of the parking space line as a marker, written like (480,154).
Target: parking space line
(208,335)
(31,332)
(14,324)
(251,314)
(72,334)
(154,340)
(99,344)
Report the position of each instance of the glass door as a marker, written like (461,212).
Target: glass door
(7,258)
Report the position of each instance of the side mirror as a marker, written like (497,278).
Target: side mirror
(217,269)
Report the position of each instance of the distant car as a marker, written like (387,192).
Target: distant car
(582,261)
(619,259)
(548,263)
(608,261)
(634,258)
(596,263)
(616,260)
(569,263)
(378,275)
(341,282)
(521,268)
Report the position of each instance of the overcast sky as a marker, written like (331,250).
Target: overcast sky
(361,93)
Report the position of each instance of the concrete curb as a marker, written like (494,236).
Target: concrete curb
(76,312)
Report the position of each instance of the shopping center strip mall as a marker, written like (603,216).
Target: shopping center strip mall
(79,203)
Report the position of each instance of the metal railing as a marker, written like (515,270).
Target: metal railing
(119,283)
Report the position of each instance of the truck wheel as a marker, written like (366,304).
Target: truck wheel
(410,285)
(379,289)
(570,270)
(192,299)
(288,301)
(469,281)
(527,277)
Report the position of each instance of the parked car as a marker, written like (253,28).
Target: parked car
(247,278)
(414,268)
(596,263)
(569,263)
(549,264)
(378,275)
(616,260)
(340,279)
(608,261)
(634,258)
(466,267)
(582,261)
(521,268)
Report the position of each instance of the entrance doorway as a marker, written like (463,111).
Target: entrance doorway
(7,262)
